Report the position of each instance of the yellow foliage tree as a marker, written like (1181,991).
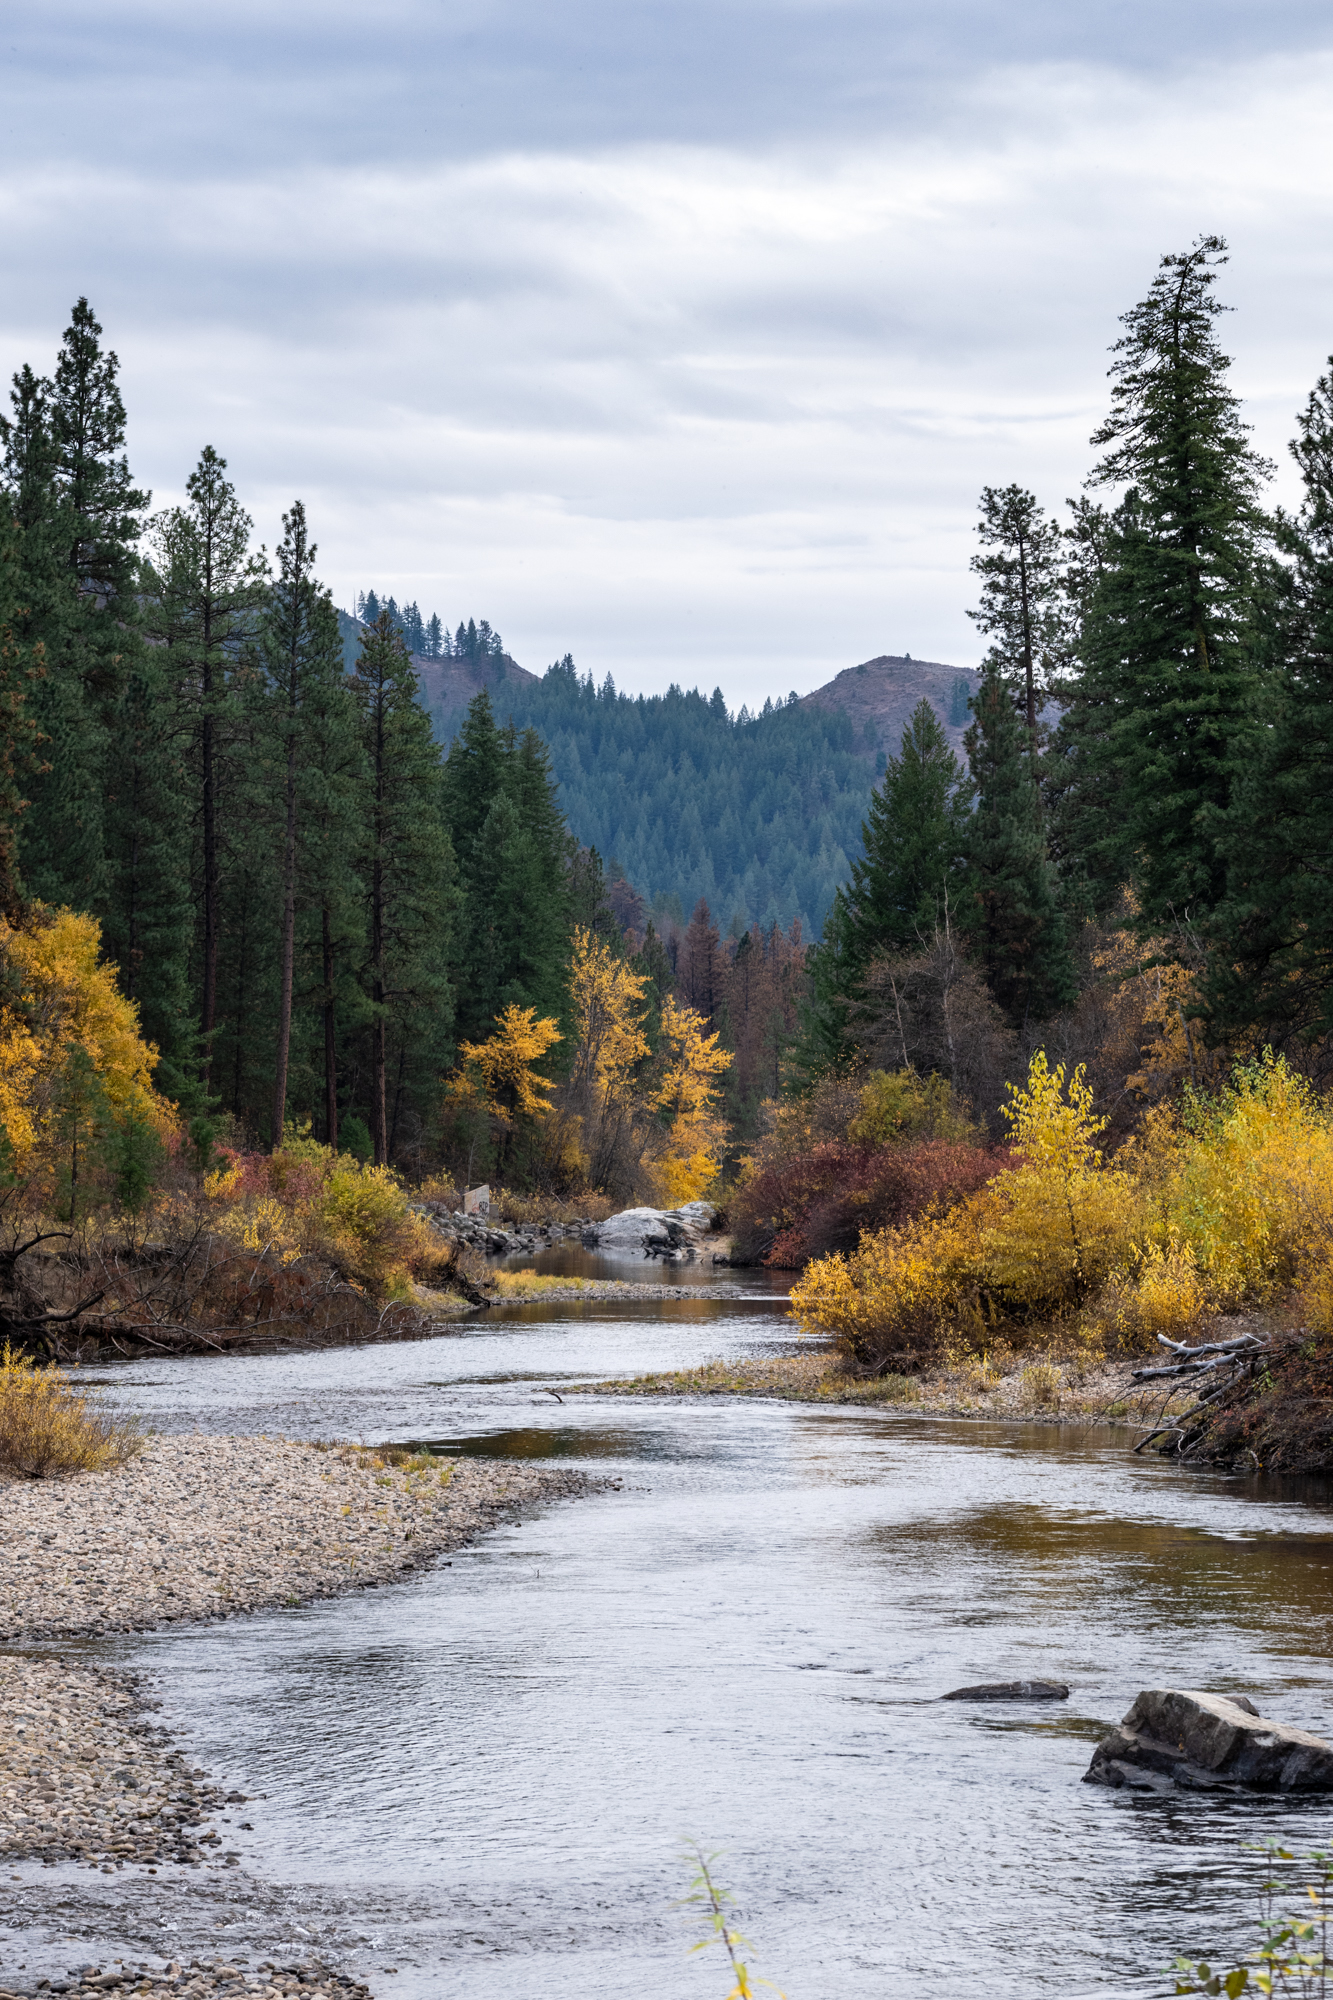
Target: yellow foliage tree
(612,1050)
(686,1095)
(504,1064)
(66,1030)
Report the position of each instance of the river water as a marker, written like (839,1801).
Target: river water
(483,1777)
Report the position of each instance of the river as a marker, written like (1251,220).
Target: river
(483,1777)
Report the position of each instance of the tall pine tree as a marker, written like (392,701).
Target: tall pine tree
(1166,678)
(1015,925)
(1022,596)
(1271,962)
(407,875)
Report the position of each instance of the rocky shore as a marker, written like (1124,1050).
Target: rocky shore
(205,1527)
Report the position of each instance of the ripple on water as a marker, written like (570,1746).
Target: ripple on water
(746,1645)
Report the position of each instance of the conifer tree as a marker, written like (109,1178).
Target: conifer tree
(913,861)
(1022,595)
(1011,912)
(21,666)
(81,516)
(303,650)
(1271,962)
(205,592)
(699,973)
(1166,682)
(407,874)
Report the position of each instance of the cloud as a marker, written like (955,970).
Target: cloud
(713,411)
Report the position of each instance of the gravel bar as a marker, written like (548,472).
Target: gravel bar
(205,1527)
(201,1981)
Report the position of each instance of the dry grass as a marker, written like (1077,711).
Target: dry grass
(1057,1386)
(585,1207)
(49,1427)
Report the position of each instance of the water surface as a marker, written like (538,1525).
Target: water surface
(491,1766)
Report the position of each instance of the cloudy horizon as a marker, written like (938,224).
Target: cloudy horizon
(685,343)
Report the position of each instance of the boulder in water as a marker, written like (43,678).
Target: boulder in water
(1202,1742)
(1010,1691)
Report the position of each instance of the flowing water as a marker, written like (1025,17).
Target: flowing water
(482,1777)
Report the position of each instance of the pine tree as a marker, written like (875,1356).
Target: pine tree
(1022,596)
(21,666)
(1011,911)
(913,861)
(303,650)
(1271,962)
(407,873)
(205,592)
(81,516)
(1165,670)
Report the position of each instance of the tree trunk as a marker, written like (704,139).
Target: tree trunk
(330,1051)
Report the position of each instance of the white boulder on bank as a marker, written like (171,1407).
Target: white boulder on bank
(654,1232)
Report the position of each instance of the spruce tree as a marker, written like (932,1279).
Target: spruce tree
(303,650)
(205,590)
(913,861)
(81,514)
(1011,912)
(406,868)
(1166,679)
(1022,595)
(1271,962)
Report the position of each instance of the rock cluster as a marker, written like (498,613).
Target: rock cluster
(497,1239)
(205,1980)
(204,1527)
(85,1775)
(1207,1742)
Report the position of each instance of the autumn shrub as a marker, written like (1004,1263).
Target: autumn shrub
(48,1426)
(822,1202)
(1160,1292)
(1039,1239)
(1249,1183)
(305,1198)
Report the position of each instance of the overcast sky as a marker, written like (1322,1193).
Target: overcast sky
(681,338)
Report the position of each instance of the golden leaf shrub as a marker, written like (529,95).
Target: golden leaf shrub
(48,1426)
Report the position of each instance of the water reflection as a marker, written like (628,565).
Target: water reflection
(747,1643)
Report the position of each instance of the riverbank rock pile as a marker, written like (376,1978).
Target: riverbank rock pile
(1180,1737)
(85,1775)
(205,1980)
(501,1239)
(675,1234)
(205,1527)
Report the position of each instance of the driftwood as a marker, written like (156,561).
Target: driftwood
(1227,1366)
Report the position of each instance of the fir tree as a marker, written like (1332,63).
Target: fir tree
(1272,936)
(407,874)
(206,590)
(1011,912)
(1022,595)
(1164,669)
(303,650)
(915,839)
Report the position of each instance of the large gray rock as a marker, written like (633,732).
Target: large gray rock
(671,1233)
(1181,1736)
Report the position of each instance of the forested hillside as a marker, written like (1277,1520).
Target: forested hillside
(757,814)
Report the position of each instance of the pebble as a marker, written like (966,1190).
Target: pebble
(201,1980)
(205,1527)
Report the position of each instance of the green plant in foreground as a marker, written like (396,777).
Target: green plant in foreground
(713,1901)
(1292,1956)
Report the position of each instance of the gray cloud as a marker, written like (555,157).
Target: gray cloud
(698,393)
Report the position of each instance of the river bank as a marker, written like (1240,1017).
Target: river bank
(206,1527)
(1039,1385)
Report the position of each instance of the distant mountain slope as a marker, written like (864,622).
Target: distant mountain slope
(759,814)
(880,694)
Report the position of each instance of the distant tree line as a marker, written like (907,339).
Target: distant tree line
(427,638)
